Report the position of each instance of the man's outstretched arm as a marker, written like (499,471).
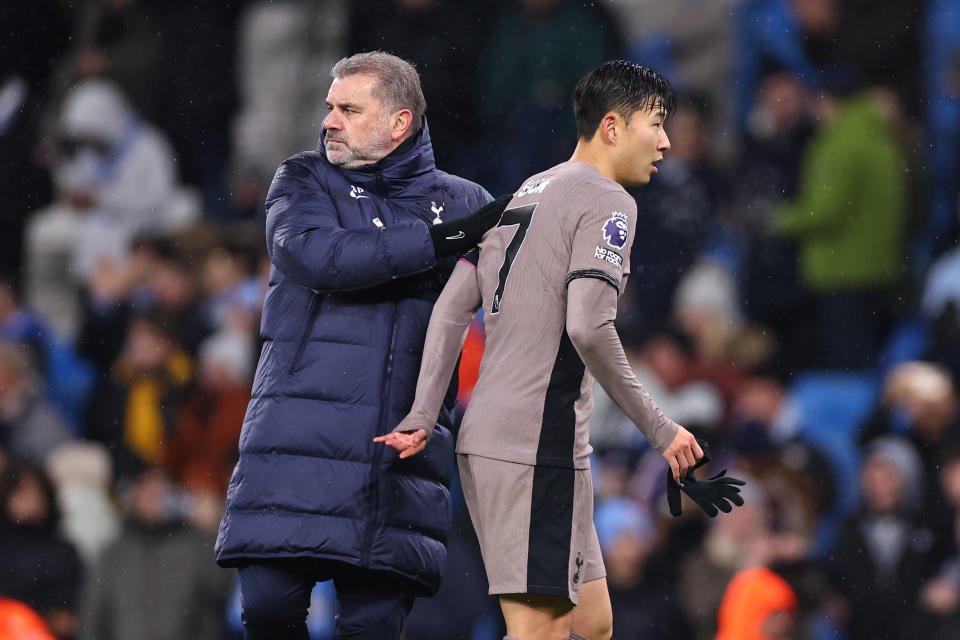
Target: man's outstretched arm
(448,328)
(591,311)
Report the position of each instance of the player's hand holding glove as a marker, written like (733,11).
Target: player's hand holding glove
(454,237)
(711,494)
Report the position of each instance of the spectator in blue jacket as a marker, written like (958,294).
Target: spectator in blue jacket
(362,235)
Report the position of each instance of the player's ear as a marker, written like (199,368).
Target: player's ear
(609,128)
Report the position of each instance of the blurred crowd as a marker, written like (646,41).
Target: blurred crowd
(795,297)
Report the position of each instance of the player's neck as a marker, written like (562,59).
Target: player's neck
(590,153)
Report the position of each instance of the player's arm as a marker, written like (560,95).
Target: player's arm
(448,327)
(591,311)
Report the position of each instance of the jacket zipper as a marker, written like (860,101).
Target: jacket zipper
(378,450)
(314,309)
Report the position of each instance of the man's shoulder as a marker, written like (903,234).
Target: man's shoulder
(308,166)
(461,186)
(312,160)
(576,186)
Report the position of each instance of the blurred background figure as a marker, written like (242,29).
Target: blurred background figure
(37,566)
(64,376)
(678,215)
(275,55)
(201,449)
(155,581)
(446,62)
(116,177)
(527,115)
(919,403)
(837,223)
(885,551)
(20,622)
(938,615)
(30,427)
(30,55)
(83,475)
(644,604)
(730,544)
(134,408)
(758,605)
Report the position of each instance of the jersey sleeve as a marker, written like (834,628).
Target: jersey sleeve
(472,256)
(602,239)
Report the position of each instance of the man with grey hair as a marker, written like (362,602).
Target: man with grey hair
(362,235)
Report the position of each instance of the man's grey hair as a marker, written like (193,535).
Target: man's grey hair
(398,83)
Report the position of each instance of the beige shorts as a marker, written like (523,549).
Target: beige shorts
(534,524)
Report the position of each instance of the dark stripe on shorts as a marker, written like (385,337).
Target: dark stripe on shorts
(558,429)
(551,527)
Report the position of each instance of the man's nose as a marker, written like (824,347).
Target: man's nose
(332,121)
(664,141)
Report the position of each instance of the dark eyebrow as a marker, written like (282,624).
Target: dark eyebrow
(345,105)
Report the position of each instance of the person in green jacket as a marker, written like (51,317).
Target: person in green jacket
(848,221)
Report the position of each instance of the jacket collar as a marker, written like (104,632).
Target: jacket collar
(394,174)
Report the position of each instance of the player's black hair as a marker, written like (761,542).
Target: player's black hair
(623,87)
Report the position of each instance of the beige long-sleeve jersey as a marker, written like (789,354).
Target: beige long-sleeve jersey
(547,278)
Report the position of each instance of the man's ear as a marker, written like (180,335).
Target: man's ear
(400,123)
(609,128)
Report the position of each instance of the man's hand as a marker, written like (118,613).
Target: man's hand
(713,494)
(454,237)
(683,453)
(408,443)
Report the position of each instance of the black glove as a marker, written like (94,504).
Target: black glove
(457,236)
(716,492)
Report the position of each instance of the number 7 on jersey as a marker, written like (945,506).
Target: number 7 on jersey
(521,217)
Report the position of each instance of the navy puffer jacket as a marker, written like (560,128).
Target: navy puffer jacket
(353,281)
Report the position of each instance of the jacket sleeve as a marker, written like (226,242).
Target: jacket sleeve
(307,244)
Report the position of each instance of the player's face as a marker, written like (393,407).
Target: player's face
(643,146)
(357,132)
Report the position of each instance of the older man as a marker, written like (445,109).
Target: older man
(362,234)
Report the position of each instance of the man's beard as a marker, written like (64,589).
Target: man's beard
(351,156)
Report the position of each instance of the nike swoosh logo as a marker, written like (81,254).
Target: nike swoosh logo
(460,234)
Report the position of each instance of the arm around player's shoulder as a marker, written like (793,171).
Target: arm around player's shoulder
(467,196)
